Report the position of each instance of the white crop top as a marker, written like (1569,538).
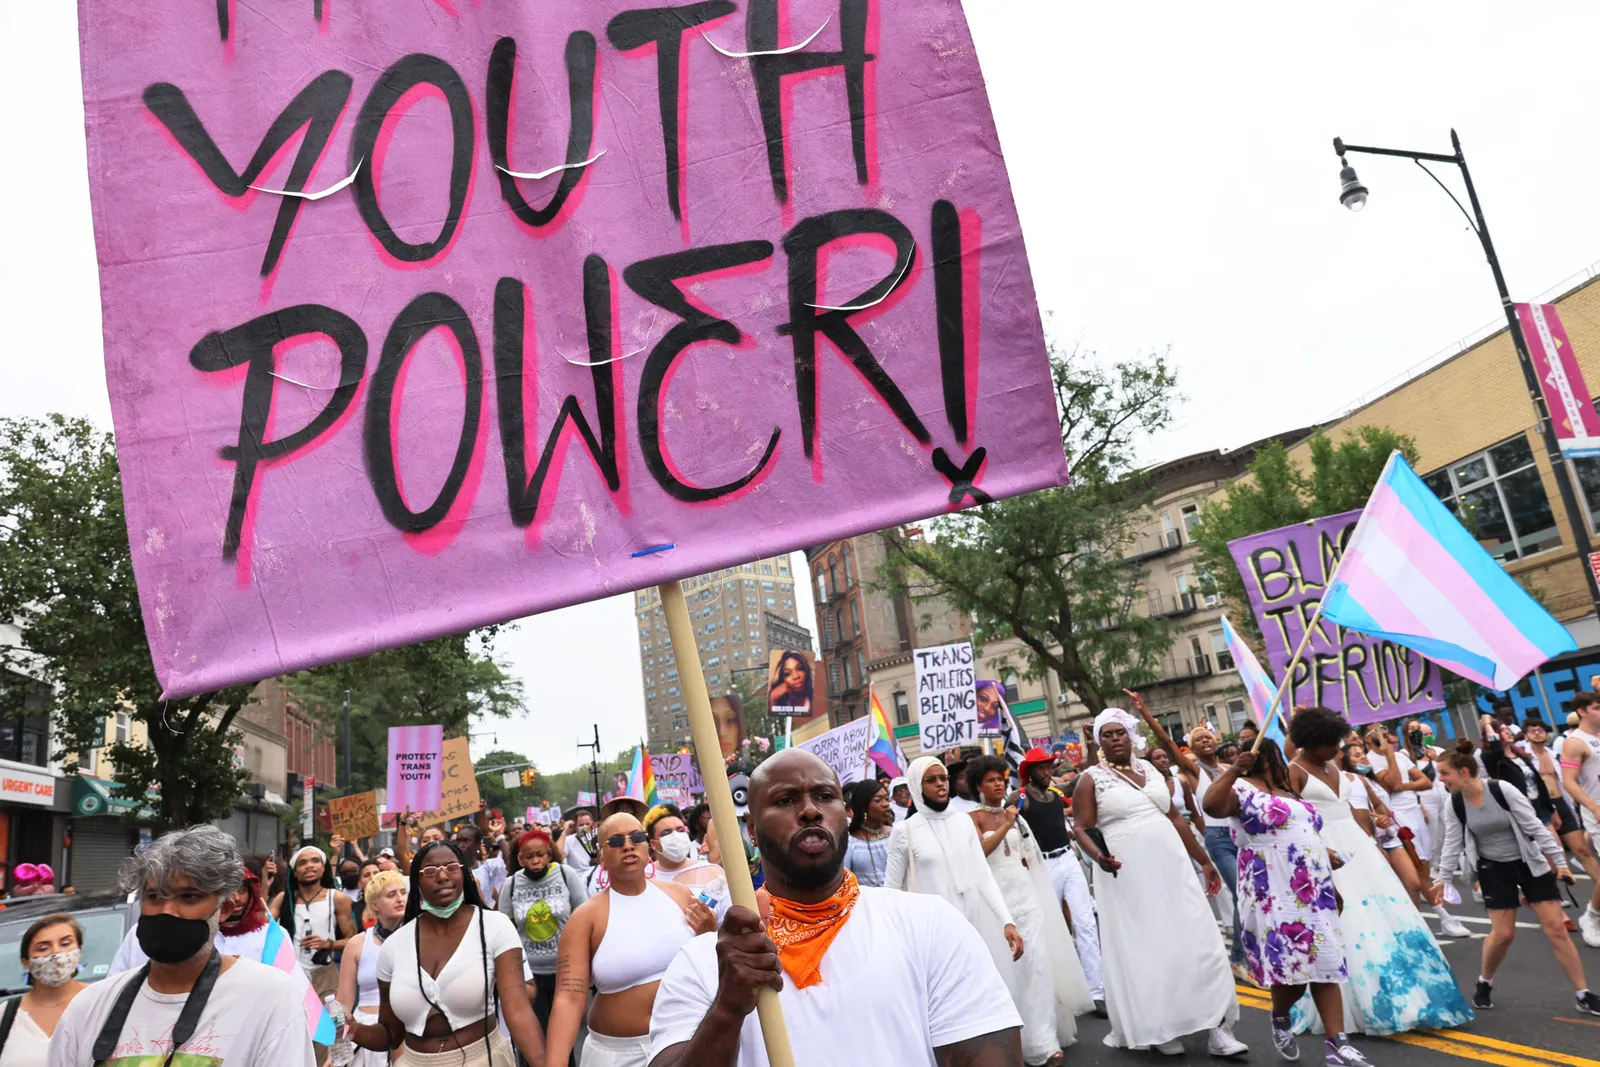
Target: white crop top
(643,933)
(459,989)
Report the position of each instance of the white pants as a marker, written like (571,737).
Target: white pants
(602,1050)
(1073,888)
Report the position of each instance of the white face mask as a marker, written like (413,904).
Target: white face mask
(675,846)
(56,969)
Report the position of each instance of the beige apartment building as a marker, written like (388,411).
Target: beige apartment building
(728,609)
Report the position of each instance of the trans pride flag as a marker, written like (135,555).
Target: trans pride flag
(278,952)
(1413,574)
(1257,682)
(881,747)
(642,778)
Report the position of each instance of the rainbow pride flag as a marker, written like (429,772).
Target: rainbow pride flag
(881,747)
(642,778)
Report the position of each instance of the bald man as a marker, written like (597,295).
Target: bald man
(889,977)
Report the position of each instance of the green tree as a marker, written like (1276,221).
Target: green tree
(66,583)
(512,801)
(1047,568)
(450,681)
(1276,492)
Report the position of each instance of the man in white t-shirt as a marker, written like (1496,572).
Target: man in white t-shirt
(252,1015)
(864,975)
(1580,773)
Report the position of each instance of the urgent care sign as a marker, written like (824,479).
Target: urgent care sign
(25,787)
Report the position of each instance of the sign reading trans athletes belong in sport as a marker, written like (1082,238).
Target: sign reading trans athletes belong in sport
(947,695)
(1364,678)
(421,315)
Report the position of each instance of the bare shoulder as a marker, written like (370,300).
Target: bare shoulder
(1575,748)
(679,893)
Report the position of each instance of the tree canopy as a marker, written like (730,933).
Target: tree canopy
(66,583)
(450,681)
(1048,568)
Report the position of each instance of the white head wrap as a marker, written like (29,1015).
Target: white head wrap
(896,783)
(956,834)
(302,850)
(1126,721)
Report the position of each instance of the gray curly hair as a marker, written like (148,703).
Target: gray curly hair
(206,855)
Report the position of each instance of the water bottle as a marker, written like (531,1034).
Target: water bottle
(344,1050)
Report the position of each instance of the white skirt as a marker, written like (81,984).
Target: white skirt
(603,1050)
(366,1057)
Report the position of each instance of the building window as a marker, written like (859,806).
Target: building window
(1219,648)
(849,566)
(1498,496)
(902,708)
(1013,690)
(861,666)
(1235,715)
(124,728)
(855,618)
(1191,517)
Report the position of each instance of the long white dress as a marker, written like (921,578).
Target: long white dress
(939,853)
(1399,980)
(1166,970)
(1051,991)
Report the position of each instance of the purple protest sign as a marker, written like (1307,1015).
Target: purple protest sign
(1362,677)
(678,768)
(416,767)
(375,378)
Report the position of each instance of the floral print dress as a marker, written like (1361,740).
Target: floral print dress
(1287,908)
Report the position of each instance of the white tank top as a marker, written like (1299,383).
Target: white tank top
(314,918)
(643,933)
(1589,769)
(367,973)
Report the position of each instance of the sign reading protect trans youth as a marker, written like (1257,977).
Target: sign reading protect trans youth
(1364,678)
(425,315)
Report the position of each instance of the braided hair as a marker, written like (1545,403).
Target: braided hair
(470,894)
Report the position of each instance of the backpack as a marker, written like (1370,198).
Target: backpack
(7,1020)
(1459,802)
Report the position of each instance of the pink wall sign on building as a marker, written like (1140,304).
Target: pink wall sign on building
(1566,395)
(421,316)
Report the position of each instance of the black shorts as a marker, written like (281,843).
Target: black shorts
(1569,820)
(1505,885)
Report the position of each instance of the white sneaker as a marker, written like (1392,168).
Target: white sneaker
(1223,1043)
(1450,926)
(1589,926)
(1169,1048)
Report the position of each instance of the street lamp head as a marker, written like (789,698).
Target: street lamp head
(1352,194)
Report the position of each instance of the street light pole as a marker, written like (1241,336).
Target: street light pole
(1355,196)
(348,779)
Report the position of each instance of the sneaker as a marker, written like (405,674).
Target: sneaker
(1589,924)
(1169,1048)
(1223,1043)
(1283,1040)
(1450,926)
(1590,1003)
(1483,996)
(1099,1010)
(1344,1054)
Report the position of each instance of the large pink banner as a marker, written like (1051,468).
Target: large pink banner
(1566,395)
(376,379)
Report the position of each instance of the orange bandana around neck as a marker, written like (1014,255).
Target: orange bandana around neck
(803,932)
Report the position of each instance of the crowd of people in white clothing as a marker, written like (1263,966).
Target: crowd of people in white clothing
(972,912)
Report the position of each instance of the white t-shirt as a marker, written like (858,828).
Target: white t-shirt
(905,975)
(459,989)
(491,875)
(254,1018)
(1400,799)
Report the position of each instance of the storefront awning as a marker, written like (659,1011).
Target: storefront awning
(97,796)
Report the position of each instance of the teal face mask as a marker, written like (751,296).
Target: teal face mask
(443,911)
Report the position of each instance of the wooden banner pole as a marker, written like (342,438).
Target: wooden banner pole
(708,750)
(1294,661)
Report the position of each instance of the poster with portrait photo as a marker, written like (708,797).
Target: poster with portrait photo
(794,686)
(991,709)
(727,711)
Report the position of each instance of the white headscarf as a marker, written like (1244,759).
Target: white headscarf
(1128,722)
(954,831)
(302,850)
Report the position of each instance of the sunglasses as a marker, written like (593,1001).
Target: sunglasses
(638,837)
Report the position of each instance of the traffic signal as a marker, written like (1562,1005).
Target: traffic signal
(528,776)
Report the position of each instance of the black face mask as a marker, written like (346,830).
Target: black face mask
(169,939)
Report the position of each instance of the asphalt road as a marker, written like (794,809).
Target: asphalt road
(1533,1024)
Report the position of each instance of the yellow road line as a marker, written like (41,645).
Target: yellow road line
(1525,1050)
(1468,1052)
(1457,1043)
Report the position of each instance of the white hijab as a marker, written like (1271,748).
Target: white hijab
(957,836)
(1123,719)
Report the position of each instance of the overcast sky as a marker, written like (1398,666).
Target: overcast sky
(1173,170)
